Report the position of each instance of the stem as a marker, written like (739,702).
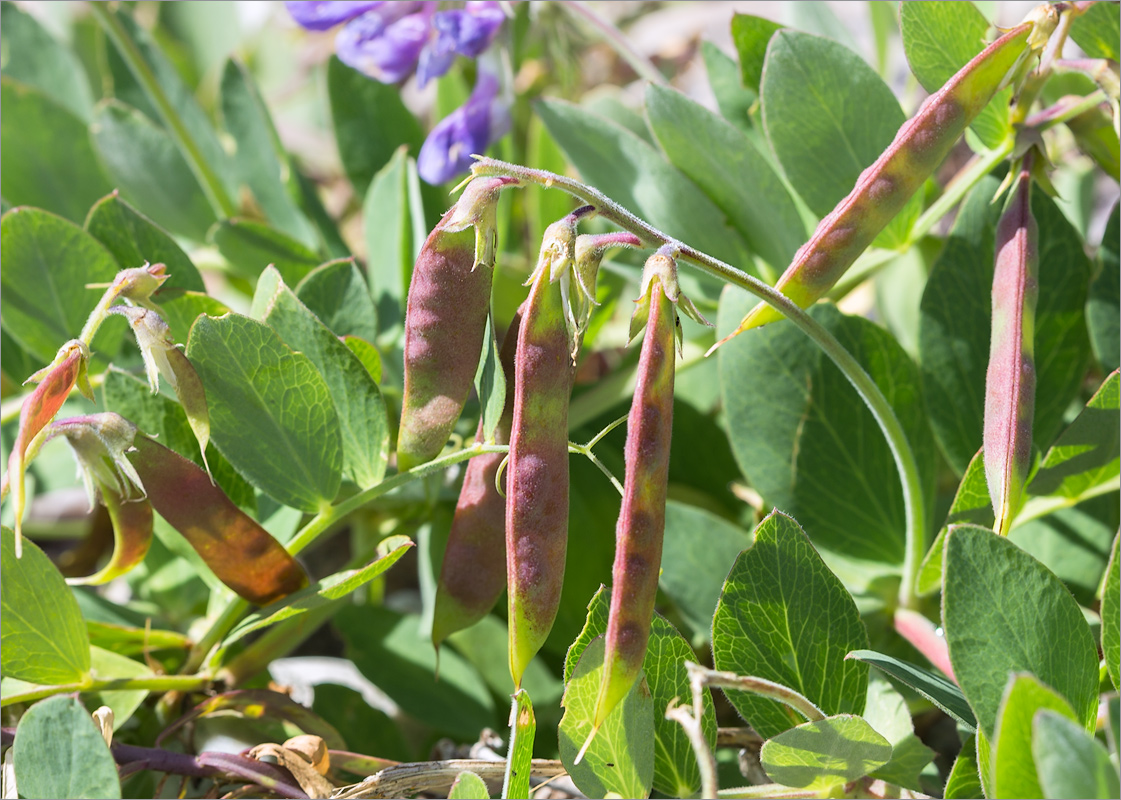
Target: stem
(639,63)
(759,686)
(151,683)
(852,370)
(977,168)
(212,187)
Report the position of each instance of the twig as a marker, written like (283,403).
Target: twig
(406,780)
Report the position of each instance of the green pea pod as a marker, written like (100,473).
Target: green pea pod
(642,518)
(537,471)
(884,188)
(473,573)
(445,321)
(1010,381)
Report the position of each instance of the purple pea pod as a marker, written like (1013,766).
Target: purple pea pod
(445,321)
(1010,380)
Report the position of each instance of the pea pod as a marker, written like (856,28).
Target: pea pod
(473,573)
(445,321)
(537,471)
(1010,380)
(882,190)
(642,518)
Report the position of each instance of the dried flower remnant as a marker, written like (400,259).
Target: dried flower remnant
(1010,380)
(445,321)
(882,189)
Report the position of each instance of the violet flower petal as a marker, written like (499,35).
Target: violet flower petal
(466,32)
(319,15)
(385,44)
(469,129)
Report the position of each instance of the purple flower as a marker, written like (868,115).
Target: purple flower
(319,16)
(386,42)
(466,32)
(469,129)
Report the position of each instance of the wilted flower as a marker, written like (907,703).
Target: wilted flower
(389,41)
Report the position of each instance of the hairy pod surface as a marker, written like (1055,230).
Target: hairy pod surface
(445,323)
(882,189)
(1010,380)
(642,518)
(473,573)
(537,472)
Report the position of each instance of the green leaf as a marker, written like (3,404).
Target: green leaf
(1073,543)
(371,122)
(675,765)
(807,442)
(271,414)
(783,616)
(620,758)
(389,242)
(260,162)
(59,752)
(971,506)
(694,567)
(251,246)
(633,173)
(323,592)
(934,687)
(490,383)
(43,637)
(886,711)
(826,753)
(124,702)
(142,160)
(1111,614)
(47,261)
(1098,32)
(1104,301)
(1070,763)
(180,310)
(956,319)
(1013,765)
(33,57)
(358,403)
(183,104)
(367,354)
(751,35)
(163,419)
(1087,454)
(523,725)
(337,293)
(46,159)
(828,116)
(941,38)
(964,780)
(469,786)
(720,159)
(996,593)
(732,99)
(390,649)
(134,240)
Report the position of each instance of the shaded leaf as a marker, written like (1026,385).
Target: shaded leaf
(1097,31)
(751,34)
(34,57)
(886,711)
(724,78)
(250,246)
(46,159)
(1070,763)
(133,240)
(971,506)
(1103,305)
(59,752)
(389,242)
(338,294)
(1014,771)
(47,261)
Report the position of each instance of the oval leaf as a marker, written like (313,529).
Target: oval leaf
(59,752)
(783,616)
(271,414)
(1014,770)
(828,752)
(994,592)
(42,636)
